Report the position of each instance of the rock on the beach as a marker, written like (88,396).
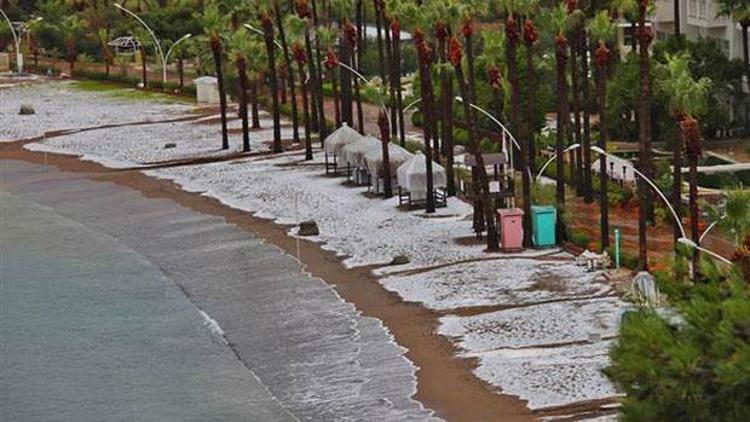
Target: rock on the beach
(400,260)
(169,145)
(26,110)
(308,228)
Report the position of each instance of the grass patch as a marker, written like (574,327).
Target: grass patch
(119,92)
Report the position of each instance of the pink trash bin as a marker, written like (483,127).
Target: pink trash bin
(510,224)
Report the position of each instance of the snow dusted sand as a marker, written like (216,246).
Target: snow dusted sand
(515,281)
(59,105)
(549,376)
(129,146)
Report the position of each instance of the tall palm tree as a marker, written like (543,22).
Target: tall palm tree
(290,70)
(213,26)
(687,99)
(391,10)
(385,139)
(256,56)
(268,36)
(238,46)
(602,30)
(481,183)
(560,19)
(298,28)
(425,52)
(530,37)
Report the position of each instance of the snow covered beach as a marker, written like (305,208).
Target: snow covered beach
(549,323)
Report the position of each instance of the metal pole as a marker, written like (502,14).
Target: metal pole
(618,238)
(156,40)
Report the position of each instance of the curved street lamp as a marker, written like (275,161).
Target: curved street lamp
(157,43)
(16,41)
(684,239)
(544,167)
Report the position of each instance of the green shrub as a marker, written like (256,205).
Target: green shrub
(579,238)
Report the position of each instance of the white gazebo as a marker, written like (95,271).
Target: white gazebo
(335,142)
(353,155)
(412,182)
(374,163)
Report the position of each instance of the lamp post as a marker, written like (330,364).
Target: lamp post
(16,41)
(367,81)
(683,239)
(157,43)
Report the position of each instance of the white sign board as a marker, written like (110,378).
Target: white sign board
(494,186)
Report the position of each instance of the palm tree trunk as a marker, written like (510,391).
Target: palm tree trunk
(446,123)
(143,67)
(424,50)
(511,29)
(336,96)
(271,53)
(242,73)
(385,136)
(316,74)
(644,126)
(290,71)
(677,180)
(576,155)
(396,79)
(181,71)
(587,185)
(216,50)
(305,111)
(694,212)
(377,4)
(562,122)
(391,88)
(601,89)
(254,104)
(745,25)
(676,4)
(481,185)
(358,102)
(530,100)
(345,77)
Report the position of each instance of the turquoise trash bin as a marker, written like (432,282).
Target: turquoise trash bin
(544,219)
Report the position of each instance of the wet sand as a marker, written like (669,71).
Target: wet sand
(445,383)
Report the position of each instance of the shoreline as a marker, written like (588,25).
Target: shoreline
(445,383)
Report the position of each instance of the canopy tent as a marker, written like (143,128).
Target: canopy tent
(373,159)
(340,138)
(353,153)
(412,174)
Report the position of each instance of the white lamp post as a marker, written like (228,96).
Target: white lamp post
(157,43)
(16,42)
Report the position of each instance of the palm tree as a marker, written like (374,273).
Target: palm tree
(102,37)
(530,37)
(70,28)
(142,35)
(298,27)
(603,30)
(425,52)
(256,56)
(645,36)
(238,45)
(385,139)
(392,8)
(512,37)
(290,70)
(481,184)
(213,25)
(268,36)
(560,18)
(326,38)
(687,100)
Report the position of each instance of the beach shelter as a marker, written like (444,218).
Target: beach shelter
(337,140)
(412,181)
(353,155)
(373,162)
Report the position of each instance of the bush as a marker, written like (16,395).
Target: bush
(693,364)
(579,238)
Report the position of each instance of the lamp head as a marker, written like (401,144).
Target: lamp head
(687,242)
(598,150)
(572,147)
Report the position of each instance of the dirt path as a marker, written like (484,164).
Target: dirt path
(445,383)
